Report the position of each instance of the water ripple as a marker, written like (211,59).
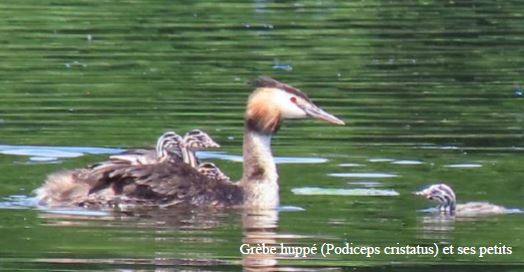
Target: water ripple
(17,202)
(363,175)
(464,165)
(278,160)
(351,165)
(53,153)
(407,162)
(344,192)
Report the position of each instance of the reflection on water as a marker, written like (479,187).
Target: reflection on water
(158,227)
(260,228)
(435,227)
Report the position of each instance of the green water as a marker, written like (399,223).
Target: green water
(424,87)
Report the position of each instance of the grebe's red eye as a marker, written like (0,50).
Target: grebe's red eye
(293,99)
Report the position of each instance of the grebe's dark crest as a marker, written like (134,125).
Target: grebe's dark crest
(174,182)
(445,197)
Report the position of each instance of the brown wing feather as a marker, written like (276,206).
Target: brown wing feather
(166,183)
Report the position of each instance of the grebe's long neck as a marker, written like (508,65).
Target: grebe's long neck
(260,178)
(268,105)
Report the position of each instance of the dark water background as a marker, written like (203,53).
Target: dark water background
(430,90)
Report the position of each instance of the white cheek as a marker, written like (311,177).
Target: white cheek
(293,112)
(287,108)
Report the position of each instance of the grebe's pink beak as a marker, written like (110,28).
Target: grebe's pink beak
(313,111)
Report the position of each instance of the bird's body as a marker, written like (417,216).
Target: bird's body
(445,197)
(479,208)
(172,182)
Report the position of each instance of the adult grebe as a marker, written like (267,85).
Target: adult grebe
(173,183)
(445,197)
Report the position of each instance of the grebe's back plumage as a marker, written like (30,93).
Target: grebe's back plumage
(172,182)
(169,183)
(445,197)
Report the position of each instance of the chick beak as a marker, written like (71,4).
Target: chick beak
(313,111)
(214,144)
(423,193)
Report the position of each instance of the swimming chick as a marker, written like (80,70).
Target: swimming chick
(176,183)
(445,197)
